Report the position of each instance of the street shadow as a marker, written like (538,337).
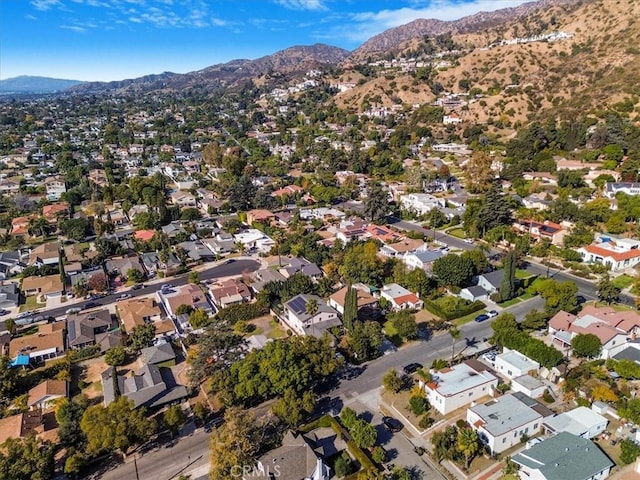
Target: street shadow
(366,416)
(328,406)
(384,435)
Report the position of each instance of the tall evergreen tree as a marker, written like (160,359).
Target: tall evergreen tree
(508,285)
(495,211)
(350,308)
(376,205)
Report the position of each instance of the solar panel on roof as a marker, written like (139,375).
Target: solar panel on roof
(298,304)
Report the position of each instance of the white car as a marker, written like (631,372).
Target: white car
(492,313)
(468,240)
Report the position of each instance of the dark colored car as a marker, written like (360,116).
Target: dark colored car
(482,318)
(89,305)
(4,312)
(411,368)
(137,286)
(392,424)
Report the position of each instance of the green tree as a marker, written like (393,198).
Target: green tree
(629,451)
(142,336)
(418,404)
(194,277)
(174,418)
(453,269)
(68,415)
(376,205)
(199,318)
(362,264)
(558,296)
(436,218)
(392,381)
(27,459)
(184,309)
(363,434)
(218,347)
(479,260)
(234,444)
(135,275)
(468,444)
(343,465)
(504,327)
(508,284)
(405,324)
(348,417)
(535,320)
(365,340)
(350,315)
(116,427)
(607,291)
(311,307)
(454,333)
(294,408)
(115,356)
(586,345)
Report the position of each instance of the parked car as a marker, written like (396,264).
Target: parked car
(71,311)
(4,312)
(492,313)
(482,317)
(89,305)
(137,286)
(411,368)
(124,296)
(468,240)
(392,424)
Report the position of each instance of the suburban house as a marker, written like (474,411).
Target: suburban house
(367,303)
(9,295)
(136,312)
(183,199)
(45,395)
(544,178)
(614,329)
(47,344)
(458,386)
(264,276)
(82,328)
(581,421)
(512,364)
(304,320)
(229,292)
(611,189)
(190,295)
(196,251)
(402,247)
(260,216)
(11,264)
(502,422)
(289,191)
(300,265)
(151,387)
(160,355)
(491,281)
(547,230)
(529,385)
(121,266)
(43,287)
(45,254)
(421,203)
(564,456)
(382,233)
(474,293)
(20,225)
(422,259)
(28,423)
(618,253)
(153,262)
(400,298)
(55,187)
(55,212)
(301,457)
(254,238)
(220,244)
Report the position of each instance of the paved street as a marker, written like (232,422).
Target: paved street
(236,267)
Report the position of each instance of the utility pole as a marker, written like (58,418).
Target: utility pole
(135,464)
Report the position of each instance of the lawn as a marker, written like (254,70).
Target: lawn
(509,303)
(522,274)
(623,281)
(392,334)
(31,303)
(457,232)
(276,331)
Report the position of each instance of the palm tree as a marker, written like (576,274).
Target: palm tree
(467,444)
(278,236)
(38,226)
(455,335)
(311,307)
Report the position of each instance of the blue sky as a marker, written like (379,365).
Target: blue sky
(116,39)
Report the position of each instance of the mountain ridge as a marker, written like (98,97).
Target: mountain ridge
(36,84)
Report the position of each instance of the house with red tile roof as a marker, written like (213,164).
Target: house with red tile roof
(613,328)
(618,253)
(383,233)
(547,230)
(144,235)
(289,190)
(55,212)
(400,298)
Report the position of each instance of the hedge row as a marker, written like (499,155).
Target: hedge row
(242,312)
(457,313)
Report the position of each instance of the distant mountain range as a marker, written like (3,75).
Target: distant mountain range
(32,84)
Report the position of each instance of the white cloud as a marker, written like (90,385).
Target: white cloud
(75,28)
(365,25)
(45,4)
(302,4)
(30,17)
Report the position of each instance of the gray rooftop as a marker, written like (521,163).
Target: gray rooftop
(494,278)
(158,353)
(518,360)
(505,414)
(577,421)
(565,457)
(460,378)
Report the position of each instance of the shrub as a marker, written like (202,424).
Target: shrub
(418,404)
(378,454)
(425,422)
(629,451)
(343,465)
(546,396)
(243,311)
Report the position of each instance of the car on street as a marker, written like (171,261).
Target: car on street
(89,305)
(72,310)
(492,313)
(482,318)
(411,368)
(392,424)
(137,286)
(4,312)
(468,240)
(124,296)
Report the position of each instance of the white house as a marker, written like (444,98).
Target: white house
(618,253)
(400,298)
(304,319)
(613,188)
(458,386)
(502,422)
(55,187)
(254,238)
(564,456)
(420,203)
(512,364)
(581,421)
(422,259)
(531,386)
